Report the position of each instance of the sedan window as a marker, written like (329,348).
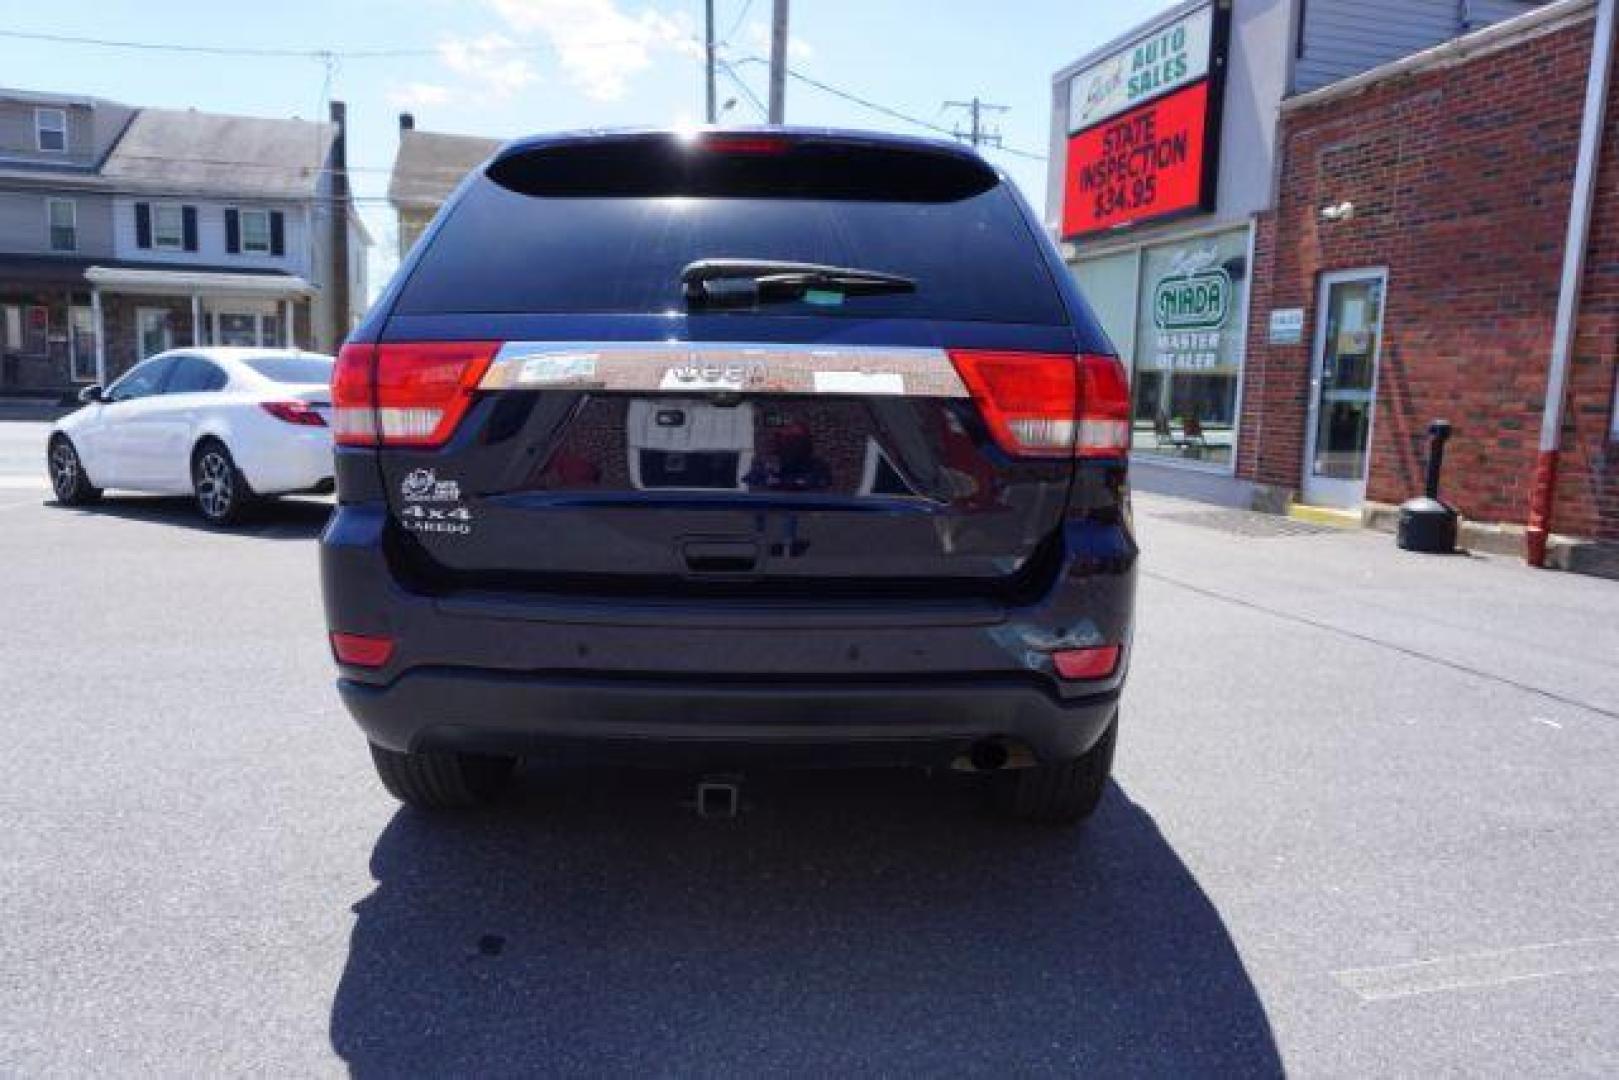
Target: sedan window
(144,381)
(194,375)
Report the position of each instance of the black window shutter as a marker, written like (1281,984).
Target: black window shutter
(188,217)
(143,225)
(233,230)
(278,233)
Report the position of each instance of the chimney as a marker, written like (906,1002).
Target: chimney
(407,122)
(337,286)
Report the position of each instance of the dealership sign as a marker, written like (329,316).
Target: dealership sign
(1142,127)
(1175,56)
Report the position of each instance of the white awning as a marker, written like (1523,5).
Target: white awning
(200,282)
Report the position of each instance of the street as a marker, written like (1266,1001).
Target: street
(1364,822)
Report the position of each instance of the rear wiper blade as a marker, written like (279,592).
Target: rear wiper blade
(744,282)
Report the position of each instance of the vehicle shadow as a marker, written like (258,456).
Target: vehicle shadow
(848,922)
(294,518)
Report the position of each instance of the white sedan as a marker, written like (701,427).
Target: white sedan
(227,425)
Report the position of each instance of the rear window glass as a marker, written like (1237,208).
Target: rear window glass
(292,369)
(504,251)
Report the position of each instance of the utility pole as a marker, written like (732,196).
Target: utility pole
(978,132)
(778,63)
(708,53)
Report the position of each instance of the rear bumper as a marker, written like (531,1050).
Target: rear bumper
(298,459)
(675,721)
(878,682)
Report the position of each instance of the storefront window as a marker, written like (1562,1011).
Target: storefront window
(1175,313)
(1189,347)
(1109,286)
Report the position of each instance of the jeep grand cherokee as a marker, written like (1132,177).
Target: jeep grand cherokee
(786,445)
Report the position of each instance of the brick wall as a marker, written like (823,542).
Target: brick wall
(1461,179)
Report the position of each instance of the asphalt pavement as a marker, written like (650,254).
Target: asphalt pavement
(1365,821)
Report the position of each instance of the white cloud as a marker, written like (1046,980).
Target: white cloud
(492,62)
(600,46)
(418,95)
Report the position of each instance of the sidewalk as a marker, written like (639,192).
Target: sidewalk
(41,410)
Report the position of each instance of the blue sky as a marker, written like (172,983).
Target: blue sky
(507,67)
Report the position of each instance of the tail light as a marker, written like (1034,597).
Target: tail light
(1049,404)
(354,406)
(362,650)
(294,412)
(406,394)
(1097,663)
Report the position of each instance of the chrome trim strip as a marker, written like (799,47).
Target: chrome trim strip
(736,367)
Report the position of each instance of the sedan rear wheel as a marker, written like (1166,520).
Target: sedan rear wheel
(222,493)
(68,479)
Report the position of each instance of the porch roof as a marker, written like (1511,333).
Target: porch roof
(201,282)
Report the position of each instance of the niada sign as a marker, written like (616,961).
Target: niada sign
(1196,301)
(1173,56)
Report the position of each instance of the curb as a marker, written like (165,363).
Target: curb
(1595,558)
(1326,515)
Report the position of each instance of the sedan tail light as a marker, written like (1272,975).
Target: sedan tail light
(294,412)
(1049,404)
(407,393)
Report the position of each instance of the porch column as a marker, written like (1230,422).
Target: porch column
(196,319)
(287,309)
(101,337)
(72,342)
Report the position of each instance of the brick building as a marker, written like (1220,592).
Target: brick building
(1310,242)
(1444,183)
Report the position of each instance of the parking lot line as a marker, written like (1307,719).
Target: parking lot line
(1478,970)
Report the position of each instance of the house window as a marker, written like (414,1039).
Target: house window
(168,226)
(256,231)
(64,224)
(50,130)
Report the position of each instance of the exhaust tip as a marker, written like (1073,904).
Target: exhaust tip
(988,755)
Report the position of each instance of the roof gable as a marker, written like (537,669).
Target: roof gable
(429,165)
(184,151)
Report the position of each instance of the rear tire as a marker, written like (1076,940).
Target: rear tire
(1062,793)
(68,480)
(223,497)
(442,781)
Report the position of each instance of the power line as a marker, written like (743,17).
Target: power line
(747,91)
(323,55)
(154,46)
(737,25)
(878,107)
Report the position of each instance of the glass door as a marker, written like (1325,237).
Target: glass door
(82,325)
(1343,385)
(154,332)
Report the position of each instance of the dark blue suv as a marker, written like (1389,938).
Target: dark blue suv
(781,445)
